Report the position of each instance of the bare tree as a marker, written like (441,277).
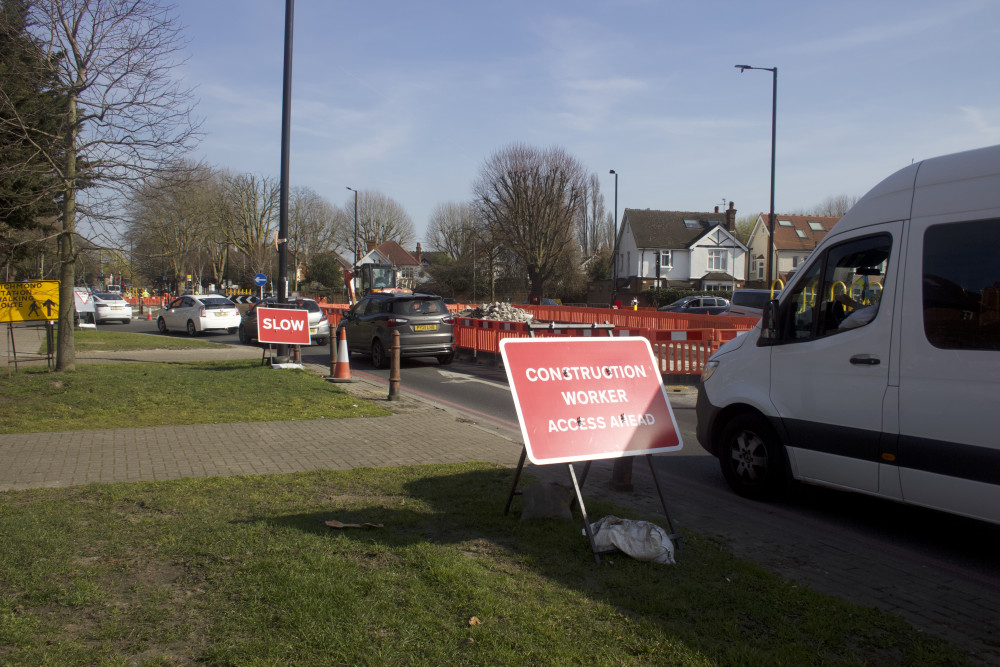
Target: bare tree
(125,116)
(591,218)
(380,219)
(453,228)
(314,226)
(252,203)
(835,206)
(529,198)
(174,219)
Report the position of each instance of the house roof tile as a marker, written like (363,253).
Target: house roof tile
(670,229)
(396,255)
(799,235)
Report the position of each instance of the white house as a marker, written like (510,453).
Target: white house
(680,249)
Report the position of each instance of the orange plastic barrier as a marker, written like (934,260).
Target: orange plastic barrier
(681,343)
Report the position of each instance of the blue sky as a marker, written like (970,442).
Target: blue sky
(410,98)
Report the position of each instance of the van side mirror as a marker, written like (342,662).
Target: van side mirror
(769,329)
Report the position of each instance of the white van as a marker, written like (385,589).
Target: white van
(878,369)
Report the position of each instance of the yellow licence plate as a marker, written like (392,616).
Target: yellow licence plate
(425,327)
(221,313)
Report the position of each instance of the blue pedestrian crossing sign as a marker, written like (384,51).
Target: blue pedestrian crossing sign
(260,280)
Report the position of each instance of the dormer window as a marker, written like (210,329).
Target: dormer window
(691,224)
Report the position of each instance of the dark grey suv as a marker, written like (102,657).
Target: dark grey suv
(422,320)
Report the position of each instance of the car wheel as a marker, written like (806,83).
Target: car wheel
(319,341)
(161,326)
(231,330)
(445,359)
(244,336)
(752,458)
(192,331)
(379,358)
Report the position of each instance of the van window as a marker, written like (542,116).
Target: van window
(841,290)
(961,285)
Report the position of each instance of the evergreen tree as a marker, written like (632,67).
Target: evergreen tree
(29,125)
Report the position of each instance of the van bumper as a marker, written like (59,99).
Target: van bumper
(706,414)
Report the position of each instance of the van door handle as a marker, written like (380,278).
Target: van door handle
(865,360)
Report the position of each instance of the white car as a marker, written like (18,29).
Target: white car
(196,313)
(110,307)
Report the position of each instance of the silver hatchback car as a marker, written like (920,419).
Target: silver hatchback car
(319,324)
(424,324)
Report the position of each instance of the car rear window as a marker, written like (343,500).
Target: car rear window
(419,307)
(217,303)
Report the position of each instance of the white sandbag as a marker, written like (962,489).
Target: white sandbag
(641,540)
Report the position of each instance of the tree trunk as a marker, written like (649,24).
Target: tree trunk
(66,347)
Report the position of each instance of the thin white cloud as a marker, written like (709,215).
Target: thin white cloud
(984,123)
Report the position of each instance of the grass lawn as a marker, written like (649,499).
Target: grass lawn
(163,394)
(242,570)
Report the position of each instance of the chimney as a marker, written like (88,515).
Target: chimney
(716,209)
(730,217)
(418,252)
(370,244)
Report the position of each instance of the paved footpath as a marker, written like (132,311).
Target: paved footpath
(950,607)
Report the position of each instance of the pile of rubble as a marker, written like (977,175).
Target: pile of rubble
(498,310)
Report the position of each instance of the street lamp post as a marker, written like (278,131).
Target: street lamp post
(355,228)
(614,247)
(774,117)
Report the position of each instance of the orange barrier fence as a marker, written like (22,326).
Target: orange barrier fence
(681,343)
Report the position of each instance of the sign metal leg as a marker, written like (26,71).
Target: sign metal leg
(583,512)
(674,536)
(517,476)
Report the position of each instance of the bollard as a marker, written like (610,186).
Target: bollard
(621,475)
(394,367)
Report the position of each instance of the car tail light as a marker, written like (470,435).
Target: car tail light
(396,321)
(201,312)
(447,319)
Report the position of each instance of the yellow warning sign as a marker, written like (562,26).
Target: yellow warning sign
(28,301)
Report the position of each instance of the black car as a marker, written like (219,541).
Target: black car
(422,320)
(698,305)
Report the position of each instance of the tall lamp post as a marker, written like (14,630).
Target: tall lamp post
(774,118)
(614,247)
(355,228)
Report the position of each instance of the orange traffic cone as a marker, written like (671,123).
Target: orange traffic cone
(342,369)
(149,314)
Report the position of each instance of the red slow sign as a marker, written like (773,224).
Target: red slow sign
(283,325)
(588,398)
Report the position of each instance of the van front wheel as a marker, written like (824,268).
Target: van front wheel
(752,458)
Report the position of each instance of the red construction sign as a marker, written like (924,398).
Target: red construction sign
(283,325)
(589,398)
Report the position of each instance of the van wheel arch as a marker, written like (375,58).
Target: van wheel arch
(752,456)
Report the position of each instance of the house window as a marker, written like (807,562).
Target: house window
(796,260)
(801,234)
(759,266)
(785,223)
(666,259)
(816,226)
(717,260)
